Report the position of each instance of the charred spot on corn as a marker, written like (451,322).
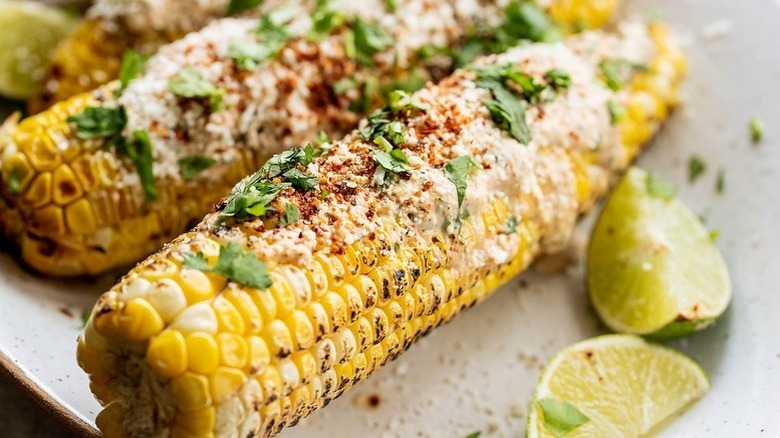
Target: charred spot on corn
(234,264)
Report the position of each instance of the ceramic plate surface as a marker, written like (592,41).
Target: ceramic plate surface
(478,372)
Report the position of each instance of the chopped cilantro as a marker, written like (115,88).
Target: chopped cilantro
(139,150)
(558,79)
(343,85)
(366,40)
(507,110)
(252,199)
(99,122)
(291,214)
(428,51)
(696,167)
(714,235)
(13,183)
(325,19)
(400,100)
(284,161)
(324,194)
(190,84)
(474,435)
(248,54)
(392,6)
(238,6)
(660,189)
(511,225)
(272,29)
(301,180)
(616,113)
(364,103)
(616,71)
(393,161)
(234,264)
(560,416)
(720,181)
(457,172)
(132,64)
(192,165)
(411,82)
(756,130)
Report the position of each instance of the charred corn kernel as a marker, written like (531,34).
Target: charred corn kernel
(191,392)
(49,219)
(19,166)
(233,350)
(203,354)
(65,186)
(197,421)
(167,298)
(311,346)
(196,285)
(167,354)
(227,316)
(246,308)
(139,321)
(225,382)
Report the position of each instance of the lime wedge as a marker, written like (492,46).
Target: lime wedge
(29,31)
(653,268)
(613,385)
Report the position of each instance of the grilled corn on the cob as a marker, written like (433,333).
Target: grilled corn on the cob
(289,294)
(76,205)
(92,55)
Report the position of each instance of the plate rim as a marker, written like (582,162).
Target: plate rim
(44,400)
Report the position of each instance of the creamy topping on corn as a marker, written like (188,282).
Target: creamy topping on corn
(165,16)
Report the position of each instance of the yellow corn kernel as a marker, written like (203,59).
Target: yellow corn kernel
(290,375)
(48,220)
(299,284)
(336,309)
(259,356)
(39,192)
(277,336)
(191,392)
(233,350)
(265,303)
(80,217)
(246,308)
(167,353)
(199,317)
(158,269)
(353,300)
(18,166)
(110,421)
(42,152)
(364,333)
(227,316)
(368,291)
(318,317)
(66,188)
(224,382)
(306,364)
(139,321)
(168,298)
(196,285)
(325,354)
(271,382)
(197,421)
(317,279)
(282,294)
(202,352)
(346,345)
(301,330)
(334,269)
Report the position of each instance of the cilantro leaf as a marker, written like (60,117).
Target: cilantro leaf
(238,6)
(301,180)
(343,85)
(696,167)
(474,435)
(558,79)
(525,20)
(720,181)
(392,6)
(394,161)
(401,100)
(507,110)
(284,161)
(248,55)
(13,183)
(616,113)
(617,71)
(272,30)
(132,64)
(291,214)
(457,172)
(366,40)
(560,416)
(235,265)
(190,84)
(756,130)
(139,150)
(192,165)
(660,189)
(99,122)
(325,19)
(511,225)
(253,199)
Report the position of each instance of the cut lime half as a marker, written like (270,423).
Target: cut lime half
(613,385)
(653,268)
(29,32)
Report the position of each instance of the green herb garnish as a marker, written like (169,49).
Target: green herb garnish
(393,161)
(756,130)
(248,55)
(720,181)
(325,19)
(132,64)
(474,435)
(99,122)
(343,85)
(252,199)
(190,84)
(617,71)
(558,79)
(560,416)
(289,159)
(696,167)
(192,165)
(234,264)
(506,109)
(291,214)
(457,172)
(301,180)
(139,150)
(238,6)
(511,225)
(660,189)
(13,183)
(616,112)
(365,41)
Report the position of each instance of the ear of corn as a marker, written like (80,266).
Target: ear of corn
(77,207)
(92,55)
(184,351)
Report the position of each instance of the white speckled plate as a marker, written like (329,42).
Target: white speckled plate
(478,372)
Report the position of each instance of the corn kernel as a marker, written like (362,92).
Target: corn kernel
(290,375)
(301,330)
(253,322)
(346,345)
(167,354)
(259,356)
(325,354)
(202,352)
(198,317)
(195,284)
(317,279)
(48,220)
(168,298)
(265,303)
(17,165)
(65,186)
(319,320)
(139,321)
(191,392)
(277,336)
(353,300)
(364,333)
(336,309)
(110,421)
(42,152)
(233,350)
(299,284)
(282,294)
(197,421)
(271,382)
(224,382)
(306,364)
(227,316)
